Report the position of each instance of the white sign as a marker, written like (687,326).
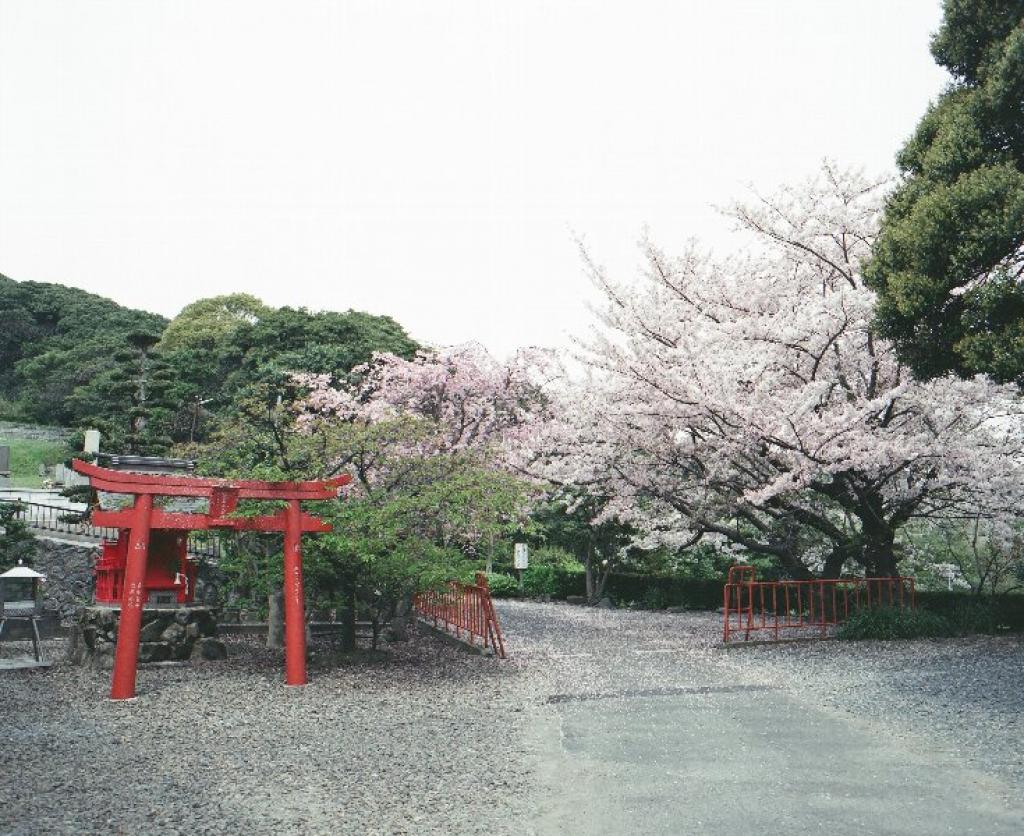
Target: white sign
(521,558)
(92,442)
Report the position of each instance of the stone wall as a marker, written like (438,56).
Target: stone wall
(168,635)
(69,581)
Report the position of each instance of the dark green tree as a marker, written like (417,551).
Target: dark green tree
(228,349)
(129,401)
(16,540)
(950,258)
(54,339)
(568,522)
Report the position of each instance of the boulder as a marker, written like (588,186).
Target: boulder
(154,652)
(152,630)
(579,600)
(211,649)
(174,633)
(181,651)
(605,604)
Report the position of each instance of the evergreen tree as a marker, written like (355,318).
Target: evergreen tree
(16,540)
(949,262)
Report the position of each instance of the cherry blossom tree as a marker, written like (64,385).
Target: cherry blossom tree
(746,399)
(435,428)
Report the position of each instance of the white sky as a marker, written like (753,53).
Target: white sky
(429,160)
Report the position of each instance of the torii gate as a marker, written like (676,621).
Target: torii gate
(223,494)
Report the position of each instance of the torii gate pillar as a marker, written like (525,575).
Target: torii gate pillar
(294,600)
(126,655)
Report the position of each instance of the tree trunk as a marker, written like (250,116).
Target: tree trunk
(879,552)
(400,620)
(589,565)
(275,619)
(834,562)
(603,579)
(348,637)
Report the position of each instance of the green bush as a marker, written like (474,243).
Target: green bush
(654,598)
(886,623)
(540,579)
(502,586)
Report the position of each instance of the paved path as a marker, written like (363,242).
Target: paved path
(649,727)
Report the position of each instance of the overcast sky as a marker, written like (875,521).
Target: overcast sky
(430,160)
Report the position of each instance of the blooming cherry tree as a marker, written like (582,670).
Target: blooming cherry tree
(443,418)
(747,399)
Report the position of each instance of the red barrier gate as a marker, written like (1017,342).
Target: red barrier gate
(777,606)
(466,607)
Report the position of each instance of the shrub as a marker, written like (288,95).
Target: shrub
(553,556)
(540,579)
(654,598)
(884,623)
(502,586)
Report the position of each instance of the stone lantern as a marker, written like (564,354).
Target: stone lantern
(21,599)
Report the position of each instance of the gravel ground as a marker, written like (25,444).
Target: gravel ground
(426,739)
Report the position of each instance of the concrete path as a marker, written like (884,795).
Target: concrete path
(678,739)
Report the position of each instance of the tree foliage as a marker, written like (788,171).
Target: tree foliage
(55,340)
(71,358)
(747,400)
(950,258)
(225,350)
(17,542)
(427,499)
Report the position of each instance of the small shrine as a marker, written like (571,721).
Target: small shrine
(21,600)
(148,568)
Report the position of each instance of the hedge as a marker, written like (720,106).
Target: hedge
(968,613)
(975,613)
(971,613)
(653,591)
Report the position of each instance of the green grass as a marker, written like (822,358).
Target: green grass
(26,456)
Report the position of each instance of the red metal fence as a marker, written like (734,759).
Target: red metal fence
(463,608)
(782,607)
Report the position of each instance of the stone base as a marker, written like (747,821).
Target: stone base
(168,634)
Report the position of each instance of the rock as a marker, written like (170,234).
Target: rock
(677,610)
(206,620)
(152,631)
(174,633)
(605,604)
(182,617)
(88,635)
(192,631)
(211,649)
(181,651)
(154,652)
(575,599)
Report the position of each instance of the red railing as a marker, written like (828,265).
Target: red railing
(781,607)
(463,608)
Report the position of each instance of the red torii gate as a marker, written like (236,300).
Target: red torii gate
(223,495)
